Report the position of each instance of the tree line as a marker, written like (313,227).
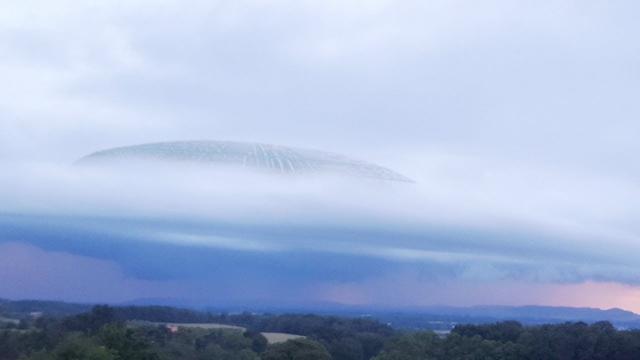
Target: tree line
(511,340)
(105,333)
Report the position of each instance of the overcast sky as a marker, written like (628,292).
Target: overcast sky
(518,120)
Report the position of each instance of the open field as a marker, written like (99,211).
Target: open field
(7,320)
(188,325)
(272,337)
(205,326)
(275,338)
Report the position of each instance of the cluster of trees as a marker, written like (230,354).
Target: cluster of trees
(343,338)
(103,334)
(510,340)
(163,314)
(94,336)
(99,335)
(298,349)
(12,324)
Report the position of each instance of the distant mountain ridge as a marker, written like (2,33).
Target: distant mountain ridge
(447,317)
(24,308)
(540,312)
(430,317)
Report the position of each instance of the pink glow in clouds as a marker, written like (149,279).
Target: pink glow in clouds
(412,291)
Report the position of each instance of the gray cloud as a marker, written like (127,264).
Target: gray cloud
(29,272)
(457,229)
(516,119)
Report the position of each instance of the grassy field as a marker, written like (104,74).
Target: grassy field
(275,338)
(7,320)
(188,325)
(205,326)
(272,337)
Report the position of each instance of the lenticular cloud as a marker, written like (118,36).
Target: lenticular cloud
(273,158)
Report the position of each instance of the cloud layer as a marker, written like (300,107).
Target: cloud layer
(516,119)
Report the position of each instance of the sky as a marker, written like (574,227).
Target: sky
(517,120)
